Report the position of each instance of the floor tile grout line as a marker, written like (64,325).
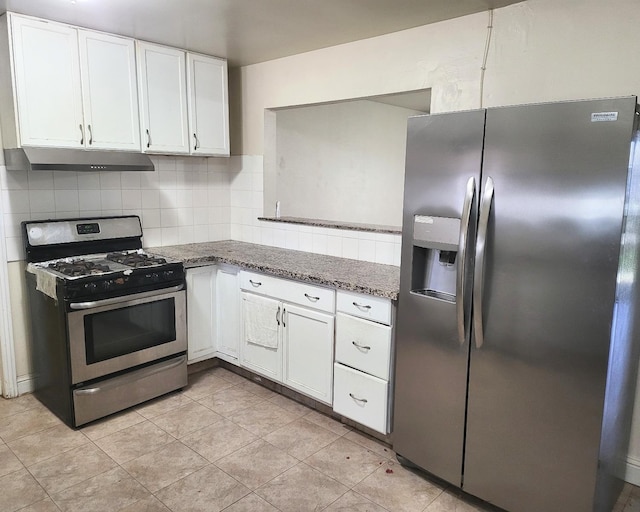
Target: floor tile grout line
(190,474)
(87,440)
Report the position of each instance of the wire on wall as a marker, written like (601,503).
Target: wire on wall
(485,56)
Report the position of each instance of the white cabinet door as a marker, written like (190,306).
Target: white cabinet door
(228,314)
(47,83)
(109,89)
(201,298)
(308,352)
(208,105)
(163,99)
(261,344)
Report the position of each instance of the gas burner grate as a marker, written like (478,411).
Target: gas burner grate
(78,268)
(135,259)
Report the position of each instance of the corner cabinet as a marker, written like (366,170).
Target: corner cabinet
(73,88)
(201,318)
(213,313)
(228,312)
(287,333)
(184,101)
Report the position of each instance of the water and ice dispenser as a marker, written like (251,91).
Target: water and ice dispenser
(435,252)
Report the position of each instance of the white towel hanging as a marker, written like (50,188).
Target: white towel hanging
(260,325)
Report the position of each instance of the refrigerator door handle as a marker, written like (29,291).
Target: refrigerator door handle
(478,280)
(462,258)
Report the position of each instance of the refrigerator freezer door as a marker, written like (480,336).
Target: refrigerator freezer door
(550,258)
(443,152)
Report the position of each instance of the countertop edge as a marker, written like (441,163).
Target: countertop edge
(287,274)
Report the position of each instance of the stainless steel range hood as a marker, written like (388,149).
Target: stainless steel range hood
(62,159)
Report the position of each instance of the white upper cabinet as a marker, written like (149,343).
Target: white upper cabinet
(48,95)
(76,88)
(163,99)
(208,105)
(73,88)
(109,87)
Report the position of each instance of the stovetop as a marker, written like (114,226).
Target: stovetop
(101,264)
(98,276)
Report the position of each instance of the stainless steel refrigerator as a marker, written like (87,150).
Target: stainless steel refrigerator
(516,342)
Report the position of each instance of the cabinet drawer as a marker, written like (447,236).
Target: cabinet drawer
(364,345)
(373,308)
(294,292)
(361,397)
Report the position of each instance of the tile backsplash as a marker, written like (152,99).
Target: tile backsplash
(185,200)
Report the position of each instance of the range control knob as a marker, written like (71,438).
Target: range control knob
(107,284)
(168,274)
(90,287)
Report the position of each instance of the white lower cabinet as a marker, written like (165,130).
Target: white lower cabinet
(285,331)
(213,313)
(227,313)
(284,341)
(361,397)
(308,351)
(201,320)
(363,368)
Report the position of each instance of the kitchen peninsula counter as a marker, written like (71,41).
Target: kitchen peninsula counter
(342,273)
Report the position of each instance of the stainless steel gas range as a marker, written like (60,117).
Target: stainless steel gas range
(108,320)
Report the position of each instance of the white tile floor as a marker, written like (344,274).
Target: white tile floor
(223,443)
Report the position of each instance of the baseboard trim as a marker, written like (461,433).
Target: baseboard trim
(26,384)
(632,471)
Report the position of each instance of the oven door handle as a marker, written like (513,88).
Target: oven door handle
(124,298)
(140,374)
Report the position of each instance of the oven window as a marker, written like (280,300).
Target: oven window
(129,329)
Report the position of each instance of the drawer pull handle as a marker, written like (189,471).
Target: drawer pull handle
(362,306)
(255,283)
(363,400)
(311,297)
(361,347)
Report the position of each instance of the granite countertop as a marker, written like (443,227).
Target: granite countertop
(342,273)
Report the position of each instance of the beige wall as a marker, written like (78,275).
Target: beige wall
(341,161)
(445,56)
(541,50)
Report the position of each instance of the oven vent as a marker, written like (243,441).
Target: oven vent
(63,159)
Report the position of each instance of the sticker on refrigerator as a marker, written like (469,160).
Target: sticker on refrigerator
(603,116)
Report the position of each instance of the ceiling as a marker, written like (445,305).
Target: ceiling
(250,31)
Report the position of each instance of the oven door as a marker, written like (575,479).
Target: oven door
(116,334)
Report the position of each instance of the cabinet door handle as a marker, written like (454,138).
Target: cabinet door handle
(361,347)
(90,134)
(311,297)
(284,312)
(362,306)
(278,315)
(197,142)
(255,284)
(357,399)
(148,138)
(81,134)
